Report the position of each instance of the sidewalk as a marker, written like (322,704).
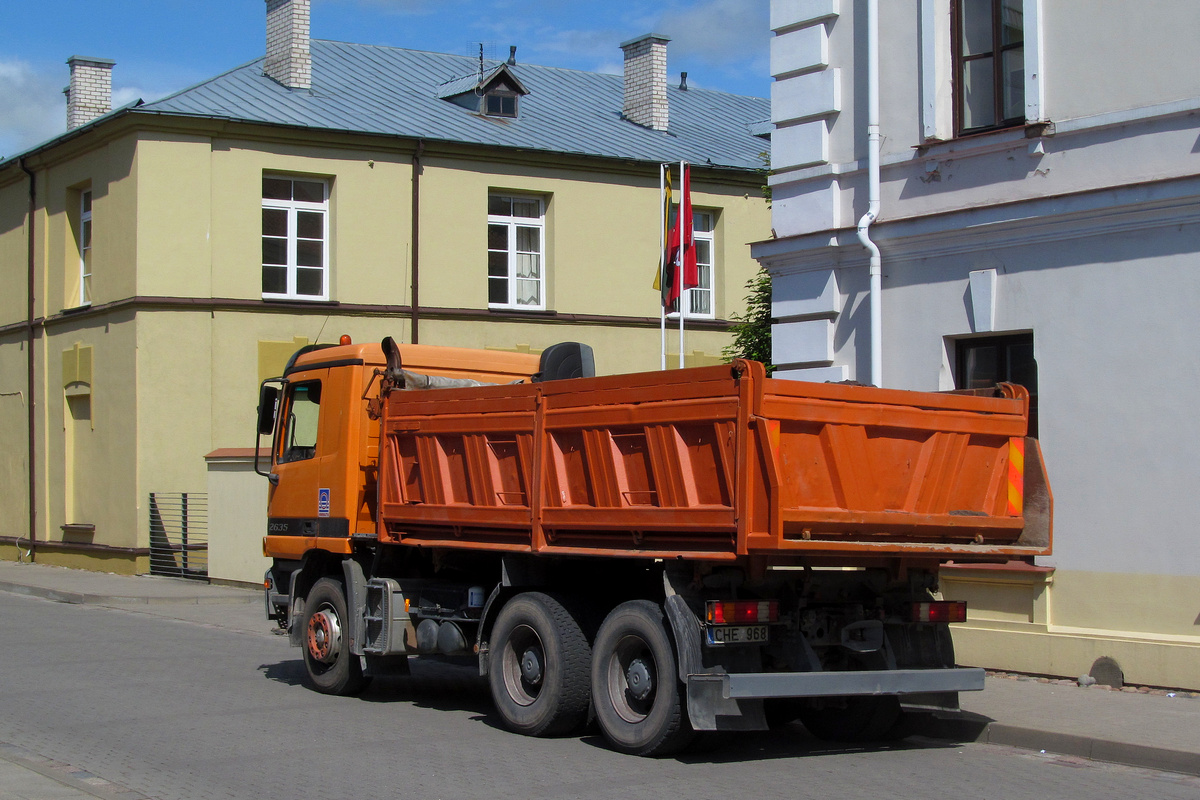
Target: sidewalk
(1125,727)
(103,588)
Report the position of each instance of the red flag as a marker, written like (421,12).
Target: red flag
(681,245)
(691,272)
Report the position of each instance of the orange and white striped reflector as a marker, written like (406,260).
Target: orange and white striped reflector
(1016,476)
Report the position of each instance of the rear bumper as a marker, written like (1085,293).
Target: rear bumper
(838,684)
(729,702)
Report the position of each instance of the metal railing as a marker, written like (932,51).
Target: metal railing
(179,534)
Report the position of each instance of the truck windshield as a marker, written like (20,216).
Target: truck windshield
(300,428)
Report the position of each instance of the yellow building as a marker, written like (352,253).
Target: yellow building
(162,258)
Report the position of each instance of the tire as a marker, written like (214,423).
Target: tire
(539,666)
(635,689)
(331,667)
(863,719)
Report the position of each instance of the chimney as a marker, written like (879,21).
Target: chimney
(90,93)
(288,60)
(646,81)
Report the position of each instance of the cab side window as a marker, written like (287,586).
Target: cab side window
(300,427)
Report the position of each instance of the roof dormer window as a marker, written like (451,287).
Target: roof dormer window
(498,103)
(492,94)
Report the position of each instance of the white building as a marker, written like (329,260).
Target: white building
(1039,221)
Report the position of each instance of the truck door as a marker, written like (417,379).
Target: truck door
(300,503)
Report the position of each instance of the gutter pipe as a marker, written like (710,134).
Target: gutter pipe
(864,223)
(413,317)
(31,361)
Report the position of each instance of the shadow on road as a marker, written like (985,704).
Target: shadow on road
(453,687)
(288,672)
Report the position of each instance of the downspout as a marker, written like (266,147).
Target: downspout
(416,238)
(864,223)
(31,404)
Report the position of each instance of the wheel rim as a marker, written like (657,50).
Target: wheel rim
(324,635)
(632,679)
(523,665)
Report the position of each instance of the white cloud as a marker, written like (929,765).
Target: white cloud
(720,32)
(34,106)
(396,6)
(721,41)
(126,95)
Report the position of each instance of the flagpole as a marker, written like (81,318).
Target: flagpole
(662,235)
(680,258)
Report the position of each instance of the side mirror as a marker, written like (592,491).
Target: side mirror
(268,402)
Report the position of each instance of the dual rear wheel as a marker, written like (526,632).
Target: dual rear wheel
(539,666)
(543,674)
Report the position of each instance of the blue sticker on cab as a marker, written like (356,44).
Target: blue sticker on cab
(322,502)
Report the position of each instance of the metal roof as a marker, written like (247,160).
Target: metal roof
(393,91)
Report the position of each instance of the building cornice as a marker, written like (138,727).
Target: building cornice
(1055,218)
(237,305)
(933,150)
(136,119)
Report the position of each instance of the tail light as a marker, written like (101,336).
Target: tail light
(941,611)
(742,612)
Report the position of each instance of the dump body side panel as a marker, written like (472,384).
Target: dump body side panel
(707,464)
(865,470)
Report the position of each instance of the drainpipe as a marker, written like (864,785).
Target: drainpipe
(416,236)
(864,223)
(31,362)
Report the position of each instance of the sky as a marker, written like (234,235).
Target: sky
(161,46)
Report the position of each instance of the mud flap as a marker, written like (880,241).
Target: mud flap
(710,710)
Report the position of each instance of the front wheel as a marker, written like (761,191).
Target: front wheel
(635,688)
(331,667)
(539,667)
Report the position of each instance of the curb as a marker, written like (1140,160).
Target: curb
(81,598)
(1117,752)
(968,727)
(63,774)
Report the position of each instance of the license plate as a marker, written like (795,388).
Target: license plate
(737,634)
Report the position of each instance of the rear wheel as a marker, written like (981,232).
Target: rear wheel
(539,667)
(637,694)
(332,668)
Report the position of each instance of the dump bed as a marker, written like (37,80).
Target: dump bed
(717,463)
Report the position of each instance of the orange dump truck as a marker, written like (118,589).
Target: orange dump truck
(693,550)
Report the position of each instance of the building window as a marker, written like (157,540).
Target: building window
(989,64)
(701,297)
(500,104)
(516,252)
(85,248)
(295,239)
(984,362)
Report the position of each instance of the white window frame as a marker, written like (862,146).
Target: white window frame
(293,207)
(697,296)
(85,248)
(512,223)
(705,291)
(937,97)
